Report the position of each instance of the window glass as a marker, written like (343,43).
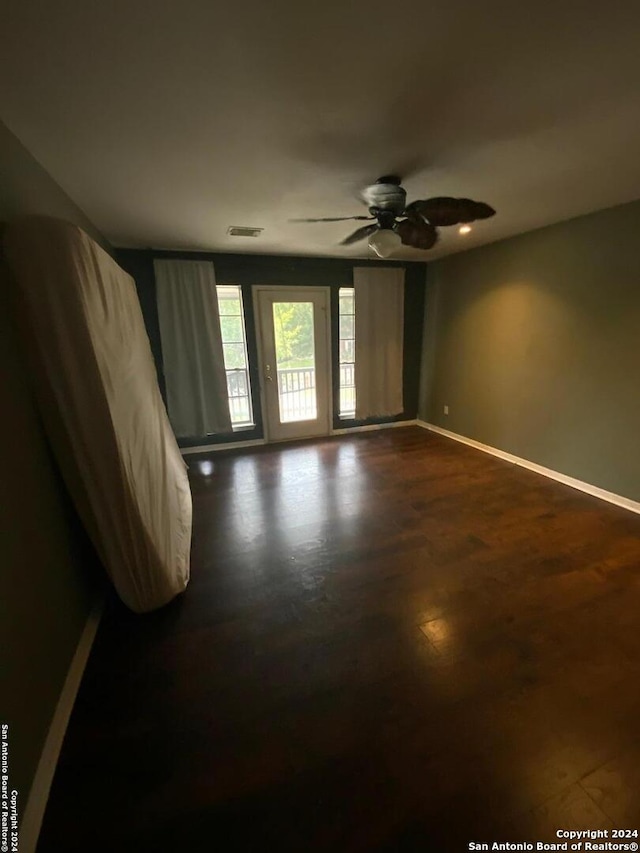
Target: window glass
(234,345)
(347,353)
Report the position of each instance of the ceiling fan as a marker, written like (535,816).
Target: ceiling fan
(414,224)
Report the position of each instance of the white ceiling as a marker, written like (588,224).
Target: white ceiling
(167,122)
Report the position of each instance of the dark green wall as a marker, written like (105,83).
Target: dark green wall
(25,188)
(248,270)
(47,567)
(534,344)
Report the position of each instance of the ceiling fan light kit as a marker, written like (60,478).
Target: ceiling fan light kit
(385,242)
(398,223)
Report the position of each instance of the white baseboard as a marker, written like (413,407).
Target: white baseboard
(231,445)
(370,427)
(580,485)
(39,793)
(236,445)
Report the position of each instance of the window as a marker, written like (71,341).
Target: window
(347,342)
(234,344)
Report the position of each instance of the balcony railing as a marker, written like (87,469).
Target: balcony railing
(297,394)
(239,399)
(347,390)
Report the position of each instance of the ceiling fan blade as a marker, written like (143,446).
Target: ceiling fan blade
(332,219)
(418,234)
(444,210)
(441,210)
(478,209)
(359,234)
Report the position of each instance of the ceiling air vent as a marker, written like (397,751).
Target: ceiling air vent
(243,231)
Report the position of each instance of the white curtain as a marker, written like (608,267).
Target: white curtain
(379,295)
(192,347)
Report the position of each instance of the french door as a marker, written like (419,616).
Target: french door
(295,368)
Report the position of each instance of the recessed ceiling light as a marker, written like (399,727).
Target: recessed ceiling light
(464,229)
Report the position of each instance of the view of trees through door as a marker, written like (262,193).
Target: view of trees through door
(293,327)
(295,360)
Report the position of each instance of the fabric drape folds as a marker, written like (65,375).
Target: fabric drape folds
(379,330)
(192,349)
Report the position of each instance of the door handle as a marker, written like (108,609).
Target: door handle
(268,375)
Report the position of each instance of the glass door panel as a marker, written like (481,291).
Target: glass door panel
(293,326)
(295,361)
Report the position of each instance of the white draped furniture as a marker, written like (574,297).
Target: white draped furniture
(95,379)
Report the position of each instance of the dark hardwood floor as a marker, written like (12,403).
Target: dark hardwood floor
(390,642)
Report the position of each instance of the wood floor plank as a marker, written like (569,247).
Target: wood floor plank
(615,787)
(390,642)
(571,809)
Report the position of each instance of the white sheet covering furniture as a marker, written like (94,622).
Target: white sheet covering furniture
(96,383)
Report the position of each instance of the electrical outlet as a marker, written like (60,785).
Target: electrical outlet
(446,410)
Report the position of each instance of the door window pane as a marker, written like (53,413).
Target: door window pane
(295,361)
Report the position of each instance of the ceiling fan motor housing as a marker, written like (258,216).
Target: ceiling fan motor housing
(385,196)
